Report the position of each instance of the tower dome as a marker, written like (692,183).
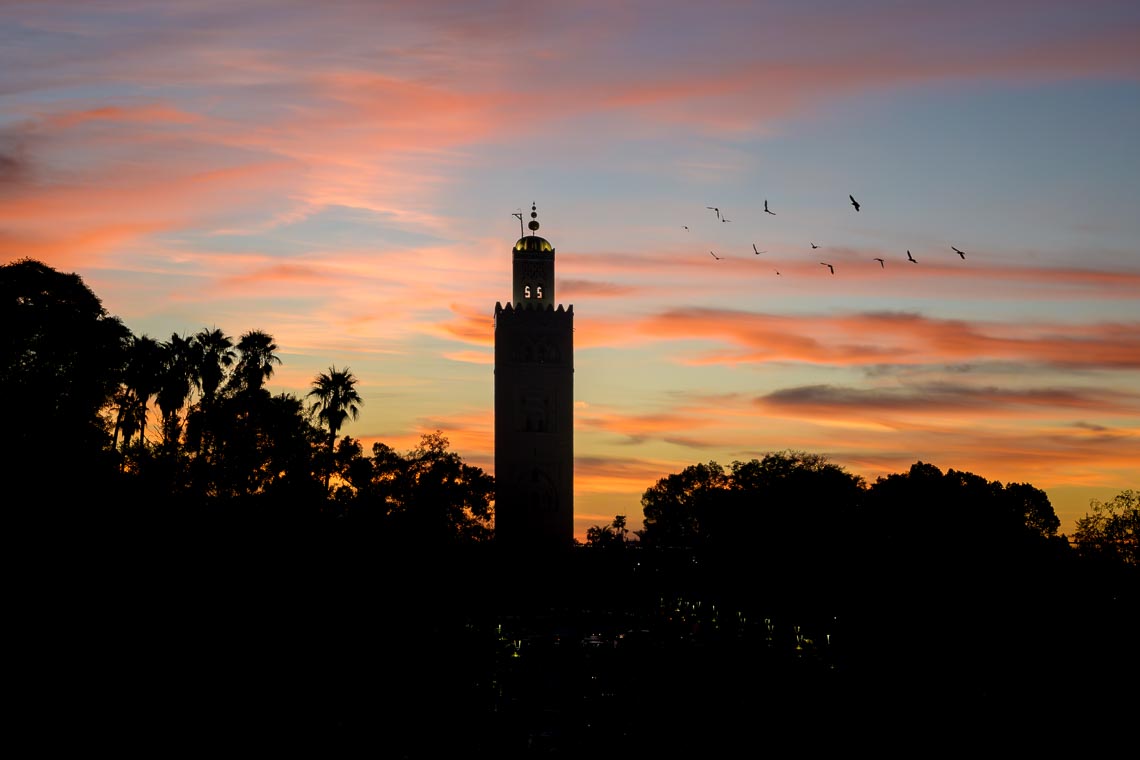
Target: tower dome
(532,244)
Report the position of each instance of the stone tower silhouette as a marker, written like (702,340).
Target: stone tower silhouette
(534,405)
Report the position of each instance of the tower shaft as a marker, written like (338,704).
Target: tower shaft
(534,407)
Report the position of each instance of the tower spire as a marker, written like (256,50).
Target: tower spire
(533,224)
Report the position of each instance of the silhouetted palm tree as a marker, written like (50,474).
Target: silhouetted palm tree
(335,399)
(175,385)
(215,354)
(256,349)
(140,382)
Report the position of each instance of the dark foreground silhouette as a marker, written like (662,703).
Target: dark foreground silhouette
(206,635)
(240,580)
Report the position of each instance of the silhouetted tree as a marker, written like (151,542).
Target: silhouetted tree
(232,434)
(446,499)
(140,383)
(676,507)
(1028,508)
(214,351)
(215,355)
(427,498)
(61,361)
(375,485)
(334,399)
(803,498)
(794,496)
(1111,531)
(966,561)
(608,536)
(928,513)
(175,385)
(289,443)
(263,443)
(257,353)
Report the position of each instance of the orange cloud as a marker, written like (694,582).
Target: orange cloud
(73,248)
(623,475)
(470,357)
(469,325)
(469,434)
(157,113)
(638,427)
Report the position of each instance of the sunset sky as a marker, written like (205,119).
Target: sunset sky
(343,175)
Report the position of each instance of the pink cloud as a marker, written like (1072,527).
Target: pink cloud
(277,274)
(737,90)
(946,398)
(894,338)
(570,288)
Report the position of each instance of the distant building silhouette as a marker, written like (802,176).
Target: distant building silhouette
(534,405)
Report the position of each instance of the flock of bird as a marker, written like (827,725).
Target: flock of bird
(854,203)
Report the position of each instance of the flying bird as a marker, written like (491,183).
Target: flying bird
(714,208)
(960,253)
(813,245)
(685,226)
(881,264)
(755,251)
(766,211)
(854,202)
(828,266)
(715,256)
(910,258)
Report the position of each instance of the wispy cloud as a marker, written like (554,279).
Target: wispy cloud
(636,428)
(895,338)
(628,475)
(570,288)
(952,398)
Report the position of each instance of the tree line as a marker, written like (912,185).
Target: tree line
(818,511)
(113,424)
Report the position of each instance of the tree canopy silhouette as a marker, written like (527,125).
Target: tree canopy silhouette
(1110,533)
(427,496)
(62,358)
(792,495)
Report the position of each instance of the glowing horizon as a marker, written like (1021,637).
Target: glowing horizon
(344,178)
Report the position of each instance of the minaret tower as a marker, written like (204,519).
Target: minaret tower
(534,405)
